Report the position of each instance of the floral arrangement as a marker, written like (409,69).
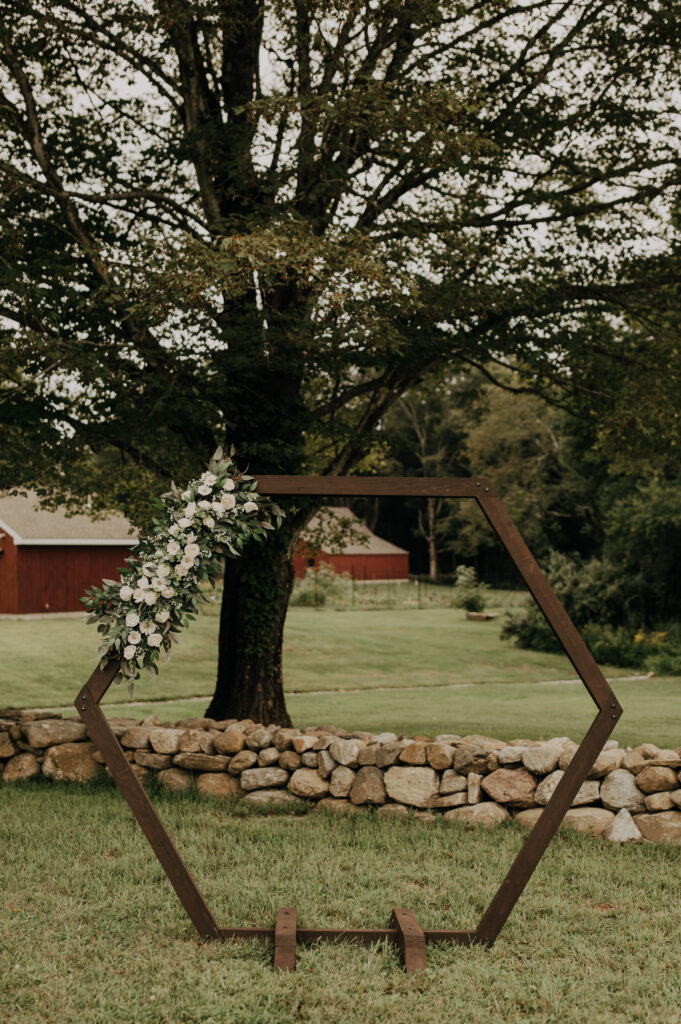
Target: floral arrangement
(159,591)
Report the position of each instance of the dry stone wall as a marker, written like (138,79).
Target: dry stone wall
(630,795)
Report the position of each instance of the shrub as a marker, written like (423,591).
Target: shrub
(590,591)
(304,596)
(318,585)
(468,592)
(595,596)
(618,645)
(657,651)
(529,629)
(666,662)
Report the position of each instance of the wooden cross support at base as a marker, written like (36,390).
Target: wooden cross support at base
(411,940)
(406,932)
(285,939)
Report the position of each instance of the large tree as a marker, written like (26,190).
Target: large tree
(260,221)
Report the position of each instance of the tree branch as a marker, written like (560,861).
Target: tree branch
(136,58)
(200,107)
(27,320)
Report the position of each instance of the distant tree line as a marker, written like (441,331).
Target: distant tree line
(607,531)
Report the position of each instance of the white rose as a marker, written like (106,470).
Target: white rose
(209,478)
(181,570)
(228,501)
(184,522)
(173,530)
(163,615)
(190,510)
(132,619)
(228,485)
(204,489)
(204,505)
(125,593)
(134,637)
(157,583)
(192,550)
(147,627)
(150,597)
(172,547)
(163,571)
(168,592)
(143,583)
(217,507)
(250,506)
(129,653)
(188,562)
(138,595)
(154,639)
(209,522)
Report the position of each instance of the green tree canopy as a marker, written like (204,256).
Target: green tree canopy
(261,221)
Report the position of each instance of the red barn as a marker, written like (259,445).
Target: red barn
(47,559)
(360,553)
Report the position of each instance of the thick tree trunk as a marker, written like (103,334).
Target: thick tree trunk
(250,682)
(257,588)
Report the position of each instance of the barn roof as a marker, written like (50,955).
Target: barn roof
(361,542)
(22,517)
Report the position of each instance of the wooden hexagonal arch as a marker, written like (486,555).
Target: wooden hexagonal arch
(405,931)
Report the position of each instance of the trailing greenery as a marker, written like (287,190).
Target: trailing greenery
(158,593)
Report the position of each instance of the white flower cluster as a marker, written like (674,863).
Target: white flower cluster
(159,592)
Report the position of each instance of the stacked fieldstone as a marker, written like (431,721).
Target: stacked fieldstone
(630,794)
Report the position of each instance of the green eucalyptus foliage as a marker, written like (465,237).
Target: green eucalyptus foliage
(159,590)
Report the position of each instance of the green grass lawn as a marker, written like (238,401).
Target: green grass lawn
(411,671)
(44,661)
(91,932)
(507,712)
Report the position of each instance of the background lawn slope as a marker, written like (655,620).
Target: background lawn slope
(415,671)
